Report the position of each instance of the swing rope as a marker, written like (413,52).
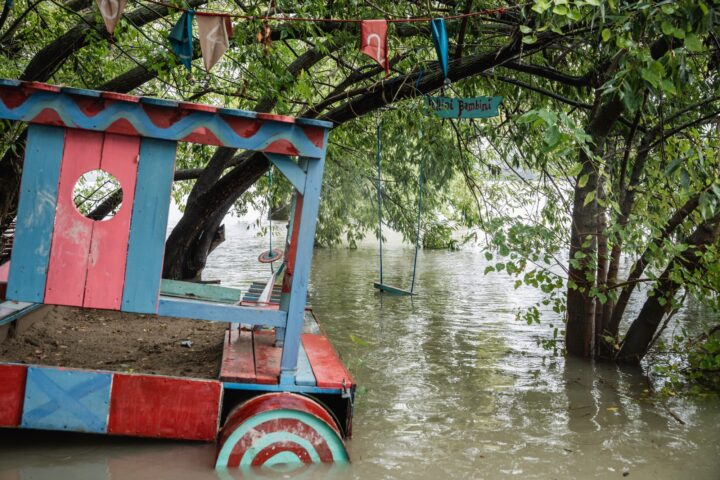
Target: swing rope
(379,195)
(381,285)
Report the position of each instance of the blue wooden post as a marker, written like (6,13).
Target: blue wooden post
(36,212)
(303,260)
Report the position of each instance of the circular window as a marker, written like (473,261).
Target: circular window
(97,195)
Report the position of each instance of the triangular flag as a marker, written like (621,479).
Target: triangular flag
(181,38)
(214,31)
(111,11)
(373,42)
(440,39)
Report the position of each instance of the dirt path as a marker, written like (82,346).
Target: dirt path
(106,340)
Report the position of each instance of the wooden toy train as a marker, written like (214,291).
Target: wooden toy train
(283,394)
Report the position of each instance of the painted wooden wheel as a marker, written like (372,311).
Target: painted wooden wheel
(270,256)
(279,429)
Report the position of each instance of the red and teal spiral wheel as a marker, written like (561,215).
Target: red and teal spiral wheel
(279,429)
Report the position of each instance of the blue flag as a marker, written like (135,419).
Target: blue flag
(440,39)
(181,38)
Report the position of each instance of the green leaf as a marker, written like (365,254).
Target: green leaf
(589,198)
(583,180)
(693,43)
(525,29)
(529,39)
(561,10)
(575,169)
(674,165)
(606,34)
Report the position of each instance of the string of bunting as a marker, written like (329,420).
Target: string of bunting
(215,29)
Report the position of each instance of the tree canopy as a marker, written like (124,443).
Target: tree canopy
(600,174)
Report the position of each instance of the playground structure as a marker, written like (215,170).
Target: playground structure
(283,395)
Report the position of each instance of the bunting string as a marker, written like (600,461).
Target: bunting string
(211,12)
(214,30)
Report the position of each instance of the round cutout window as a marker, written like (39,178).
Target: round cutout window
(97,195)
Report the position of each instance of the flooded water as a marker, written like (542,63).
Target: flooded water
(451,386)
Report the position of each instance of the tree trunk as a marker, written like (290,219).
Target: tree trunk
(642,330)
(580,329)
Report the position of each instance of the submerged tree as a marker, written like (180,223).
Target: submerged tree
(608,119)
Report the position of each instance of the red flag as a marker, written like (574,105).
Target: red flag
(373,42)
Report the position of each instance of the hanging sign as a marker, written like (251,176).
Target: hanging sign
(478,107)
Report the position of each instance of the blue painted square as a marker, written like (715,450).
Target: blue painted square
(66,400)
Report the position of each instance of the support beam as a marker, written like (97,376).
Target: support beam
(196,310)
(290,169)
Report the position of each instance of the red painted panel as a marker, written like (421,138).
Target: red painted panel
(122,126)
(13,97)
(315,134)
(283,147)
(267,357)
(12,393)
(202,135)
(275,117)
(108,248)
(238,362)
(198,107)
(164,407)
(326,365)
(164,117)
(50,117)
(72,232)
(90,106)
(123,97)
(244,127)
(291,252)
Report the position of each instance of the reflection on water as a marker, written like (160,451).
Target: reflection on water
(451,387)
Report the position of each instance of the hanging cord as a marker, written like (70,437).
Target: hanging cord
(379,193)
(270,214)
(417,232)
(419,209)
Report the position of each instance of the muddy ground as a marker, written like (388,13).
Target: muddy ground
(117,341)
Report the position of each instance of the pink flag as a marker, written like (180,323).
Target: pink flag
(214,32)
(111,11)
(373,42)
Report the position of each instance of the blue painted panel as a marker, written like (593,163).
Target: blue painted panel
(290,169)
(71,400)
(314,122)
(258,387)
(148,226)
(36,213)
(81,91)
(216,312)
(304,374)
(160,102)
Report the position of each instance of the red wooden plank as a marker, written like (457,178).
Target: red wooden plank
(238,361)
(267,357)
(108,249)
(12,393)
(4,272)
(72,232)
(164,407)
(326,365)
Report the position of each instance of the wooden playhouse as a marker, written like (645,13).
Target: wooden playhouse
(282,394)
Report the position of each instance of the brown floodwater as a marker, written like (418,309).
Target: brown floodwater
(451,386)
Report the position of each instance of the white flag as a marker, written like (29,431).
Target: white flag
(214,31)
(111,11)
